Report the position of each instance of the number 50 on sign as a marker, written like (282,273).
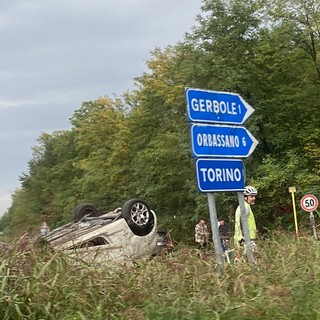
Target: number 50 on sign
(309,203)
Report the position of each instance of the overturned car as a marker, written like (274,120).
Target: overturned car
(126,233)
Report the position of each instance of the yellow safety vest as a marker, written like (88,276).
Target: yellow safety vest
(251,224)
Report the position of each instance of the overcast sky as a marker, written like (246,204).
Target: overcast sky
(55,54)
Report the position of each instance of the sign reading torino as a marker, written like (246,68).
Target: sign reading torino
(220,175)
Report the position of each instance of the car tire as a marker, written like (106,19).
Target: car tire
(84,209)
(139,217)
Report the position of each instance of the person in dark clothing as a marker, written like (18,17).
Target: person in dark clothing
(224,234)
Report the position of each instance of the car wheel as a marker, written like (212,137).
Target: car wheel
(139,217)
(85,209)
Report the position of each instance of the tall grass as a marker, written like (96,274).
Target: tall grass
(186,284)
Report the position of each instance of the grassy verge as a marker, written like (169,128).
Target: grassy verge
(183,285)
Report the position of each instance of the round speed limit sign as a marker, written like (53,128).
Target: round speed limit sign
(309,203)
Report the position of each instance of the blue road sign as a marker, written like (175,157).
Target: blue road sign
(221,141)
(215,175)
(216,107)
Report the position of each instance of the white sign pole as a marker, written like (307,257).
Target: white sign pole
(245,228)
(313,226)
(215,230)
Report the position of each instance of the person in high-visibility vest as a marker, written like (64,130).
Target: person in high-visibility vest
(250,199)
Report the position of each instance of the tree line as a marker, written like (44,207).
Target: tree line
(138,144)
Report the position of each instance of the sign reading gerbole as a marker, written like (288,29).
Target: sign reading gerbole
(218,141)
(216,107)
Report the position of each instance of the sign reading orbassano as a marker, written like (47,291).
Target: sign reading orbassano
(221,141)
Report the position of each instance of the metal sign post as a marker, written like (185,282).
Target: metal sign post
(313,226)
(245,228)
(215,230)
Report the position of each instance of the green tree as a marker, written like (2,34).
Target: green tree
(100,128)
